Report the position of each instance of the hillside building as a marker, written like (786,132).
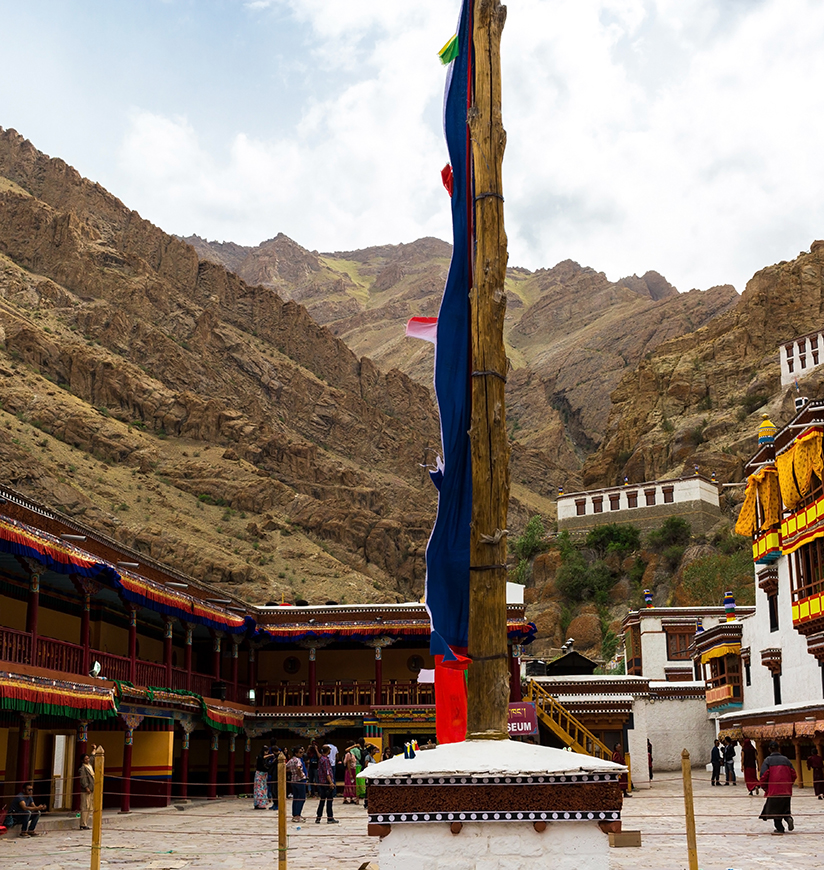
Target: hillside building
(643,505)
(800,356)
(180,681)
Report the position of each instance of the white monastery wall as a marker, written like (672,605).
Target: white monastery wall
(800,356)
(637,744)
(800,672)
(673,725)
(495,846)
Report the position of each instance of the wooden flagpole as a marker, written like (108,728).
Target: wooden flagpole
(488,676)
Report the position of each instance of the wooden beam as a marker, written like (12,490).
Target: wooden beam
(488,677)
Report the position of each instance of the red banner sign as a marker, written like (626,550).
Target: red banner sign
(523,721)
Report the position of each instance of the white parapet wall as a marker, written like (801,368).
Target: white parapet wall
(496,846)
(643,504)
(800,356)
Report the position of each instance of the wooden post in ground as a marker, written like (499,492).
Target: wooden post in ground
(97,816)
(488,676)
(281,811)
(689,809)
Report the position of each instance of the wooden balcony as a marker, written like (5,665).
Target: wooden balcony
(343,693)
(67,658)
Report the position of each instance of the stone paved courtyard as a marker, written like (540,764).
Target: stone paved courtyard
(230,835)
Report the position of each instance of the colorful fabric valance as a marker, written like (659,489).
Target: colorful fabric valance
(718,652)
(64,558)
(54,554)
(43,697)
(518,631)
(762,488)
(170,602)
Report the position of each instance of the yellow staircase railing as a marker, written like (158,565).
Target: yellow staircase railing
(564,725)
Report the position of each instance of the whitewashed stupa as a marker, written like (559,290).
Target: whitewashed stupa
(493,805)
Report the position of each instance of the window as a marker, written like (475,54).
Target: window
(772,606)
(615,502)
(580,507)
(808,576)
(598,504)
(649,494)
(726,671)
(632,499)
(678,644)
(747,674)
(776,688)
(790,364)
(632,641)
(669,494)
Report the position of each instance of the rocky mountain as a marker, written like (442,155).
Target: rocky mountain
(697,399)
(213,424)
(571,334)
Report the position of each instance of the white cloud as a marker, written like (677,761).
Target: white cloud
(642,134)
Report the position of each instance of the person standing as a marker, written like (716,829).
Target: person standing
(649,758)
(729,760)
(26,811)
(297,772)
(86,774)
(777,778)
(716,758)
(312,758)
(350,768)
(262,779)
(326,784)
(816,764)
(749,763)
(618,758)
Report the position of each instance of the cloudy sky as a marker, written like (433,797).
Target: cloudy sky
(683,136)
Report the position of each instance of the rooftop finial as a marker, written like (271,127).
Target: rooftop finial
(766,431)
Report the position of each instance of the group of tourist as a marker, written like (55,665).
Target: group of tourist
(775,778)
(312,772)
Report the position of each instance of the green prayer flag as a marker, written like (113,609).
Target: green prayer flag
(450,51)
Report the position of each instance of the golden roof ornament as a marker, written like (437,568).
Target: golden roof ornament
(766,431)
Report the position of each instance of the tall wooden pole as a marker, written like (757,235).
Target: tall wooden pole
(689,811)
(97,816)
(488,677)
(282,838)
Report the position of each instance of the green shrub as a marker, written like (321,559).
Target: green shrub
(674,530)
(613,538)
(531,541)
(672,556)
(637,571)
(707,579)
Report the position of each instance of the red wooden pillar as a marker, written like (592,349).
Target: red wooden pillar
(81,749)
(515,674)
(216,655)
(32,614)
(230,766)
(184,760)
(24,750)
(235,644)
(247,765)
(378,676)
(85,631)
(132,643)
(167,650)
(313,677)
(213,750)
(188,663)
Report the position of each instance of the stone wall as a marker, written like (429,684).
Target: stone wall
(700,515)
